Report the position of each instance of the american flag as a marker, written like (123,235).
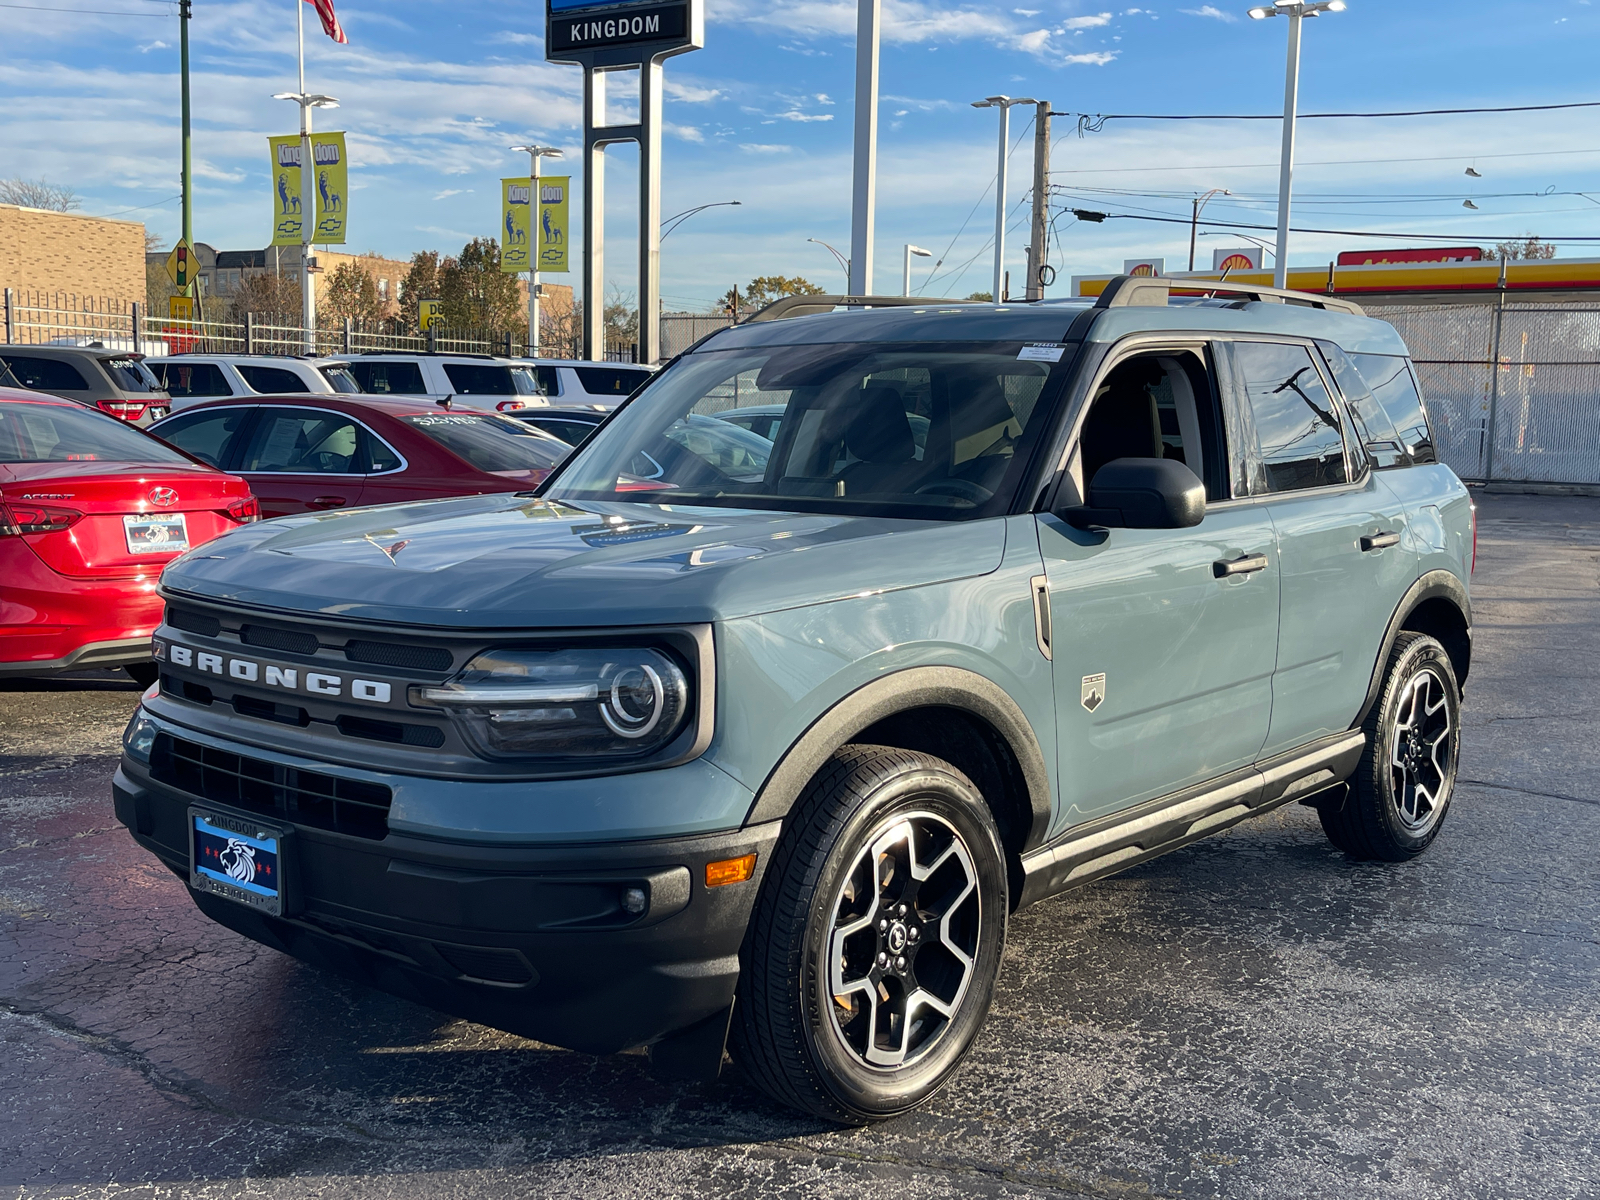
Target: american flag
(330,20)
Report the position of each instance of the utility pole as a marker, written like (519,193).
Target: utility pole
(1003,103)
(864,198)
(185,8)
(1041,199)
(308,197)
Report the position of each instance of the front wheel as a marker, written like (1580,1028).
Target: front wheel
(872,954)
(1401,791)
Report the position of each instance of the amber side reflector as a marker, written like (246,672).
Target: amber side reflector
(730,870)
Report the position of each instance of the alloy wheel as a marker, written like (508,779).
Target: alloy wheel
(1420,754)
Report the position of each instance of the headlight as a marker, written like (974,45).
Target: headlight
(139,737)
(601,703)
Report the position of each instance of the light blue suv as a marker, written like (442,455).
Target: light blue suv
(699,754)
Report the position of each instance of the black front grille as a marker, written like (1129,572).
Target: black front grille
(194,693)
(398,732)
(269,710)
(303,797)
(387,654)
(287,640)
(190,621)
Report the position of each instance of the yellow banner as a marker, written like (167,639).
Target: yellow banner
(516,224)
(553,191)
(331,187)
(429,312)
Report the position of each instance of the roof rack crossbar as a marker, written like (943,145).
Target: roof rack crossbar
(1153,291)
(806,306)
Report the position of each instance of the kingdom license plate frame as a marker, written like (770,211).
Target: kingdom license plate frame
(153,533)
(240,858)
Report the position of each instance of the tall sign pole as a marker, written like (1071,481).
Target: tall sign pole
(600,38)
(185,8)
(864,189)
(308,202)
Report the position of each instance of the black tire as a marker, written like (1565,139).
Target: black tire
(1401,792)
(143,673)
(790,1035)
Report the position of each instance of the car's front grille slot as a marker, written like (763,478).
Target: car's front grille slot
(194,693)
(287,640)
(491,963)
(268,710)
(398,732)
(348,806)
(190,621)
(387,654)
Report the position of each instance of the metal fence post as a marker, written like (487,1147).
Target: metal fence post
(11,318)
(249,333)
(347,332)
(138,328)
(433,340)
(1494,376)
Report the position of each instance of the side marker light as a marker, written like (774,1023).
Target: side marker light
(730,870)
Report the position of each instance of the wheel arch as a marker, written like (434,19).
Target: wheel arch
(1438,605)
(954,714)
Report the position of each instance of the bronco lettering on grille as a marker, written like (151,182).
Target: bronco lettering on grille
(369,691)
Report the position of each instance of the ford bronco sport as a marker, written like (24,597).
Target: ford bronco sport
(761,755)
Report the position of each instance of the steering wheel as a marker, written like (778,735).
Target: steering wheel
(960,488)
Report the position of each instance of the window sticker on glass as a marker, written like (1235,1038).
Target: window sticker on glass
(1041,352)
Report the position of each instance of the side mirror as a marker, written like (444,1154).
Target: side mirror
(1141,493)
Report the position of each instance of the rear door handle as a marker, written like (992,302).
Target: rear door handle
(1380,540)
(326,502)
(1243,565)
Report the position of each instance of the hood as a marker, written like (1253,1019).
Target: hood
(498,562)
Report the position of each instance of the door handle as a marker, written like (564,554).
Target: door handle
(326,502)
(1380,540)
(1245,564)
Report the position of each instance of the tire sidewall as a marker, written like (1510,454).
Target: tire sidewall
(1427,653)
(872,1093)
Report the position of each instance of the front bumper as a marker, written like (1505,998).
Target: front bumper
(527,938)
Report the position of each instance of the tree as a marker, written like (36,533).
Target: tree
(36,193)
(983,297)
(352,293)
(268,294)
(764,289)
(1532,247)
(477,295)
(421,283)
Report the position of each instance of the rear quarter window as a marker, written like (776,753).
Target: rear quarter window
(1395,388)
(273,381)
(389,378)
(610,381)
(46,374)
(490,442)
(184,379)
(480,379)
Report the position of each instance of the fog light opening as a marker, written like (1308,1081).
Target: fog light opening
(634,900)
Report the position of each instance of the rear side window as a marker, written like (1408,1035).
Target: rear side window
(480,379)
(489,442)
(546,380)
(46,374)
(571,432)
(610,381)
(193,379)
(1297,431)
(209,436)
(340,379)
(389,378)
(46,433)
(299,441)
(1391,381)
(273,381)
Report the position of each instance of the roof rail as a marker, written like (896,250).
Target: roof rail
(1152,291)
(807,306)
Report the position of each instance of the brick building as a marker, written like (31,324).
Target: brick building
(51,252)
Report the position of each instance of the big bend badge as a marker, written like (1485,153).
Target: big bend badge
(1094,691)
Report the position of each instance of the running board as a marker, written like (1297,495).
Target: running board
(1111,844)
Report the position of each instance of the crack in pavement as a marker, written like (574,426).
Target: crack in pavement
(82,833)
(1506,787)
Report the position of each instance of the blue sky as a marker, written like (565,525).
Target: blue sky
(432,94)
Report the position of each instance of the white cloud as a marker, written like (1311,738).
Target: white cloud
(1098,59)
(518,39)
(793,115)
(689,93)
(157,45)
(764,148)
(1027,12)
(823,98)
(1207,10)
(1089,22)
(687,133)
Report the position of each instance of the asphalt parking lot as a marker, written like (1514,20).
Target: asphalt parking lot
(1254,1016)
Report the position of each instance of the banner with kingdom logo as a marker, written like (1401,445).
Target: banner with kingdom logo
(330,186)
(552,231)
(516,225)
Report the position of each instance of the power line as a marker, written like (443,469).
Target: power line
(1091,122)
(1364,233)
(98,12)
(1327,162)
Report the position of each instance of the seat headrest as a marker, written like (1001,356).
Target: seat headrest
(878,430)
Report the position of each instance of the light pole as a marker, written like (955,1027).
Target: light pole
(672,223)
(1294,10)
(1194,221)
(905,278)
(534,153)
(844,263)
(185,11)
(1003,103)
(864,176)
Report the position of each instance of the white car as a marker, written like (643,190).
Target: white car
(497,384)
(601,384)
(196,378)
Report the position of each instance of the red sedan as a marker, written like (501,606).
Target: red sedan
(91,509)
(308,453)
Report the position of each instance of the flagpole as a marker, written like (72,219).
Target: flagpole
(308,209)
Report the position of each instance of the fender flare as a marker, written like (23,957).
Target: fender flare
(1435,585)
(915,687)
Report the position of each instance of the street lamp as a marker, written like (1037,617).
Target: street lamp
(1194,221)
(905,283)
(534,153)
(1294,10)
(844,263)
(1004,104)
(674,222)
(308,210)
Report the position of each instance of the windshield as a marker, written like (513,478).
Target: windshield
(490,442)
(32,433)
(848,439)
(338,375)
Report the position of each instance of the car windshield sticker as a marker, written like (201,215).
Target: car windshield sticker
(1042,352)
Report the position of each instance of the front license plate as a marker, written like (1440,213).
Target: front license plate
(239,858)
(148,533)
